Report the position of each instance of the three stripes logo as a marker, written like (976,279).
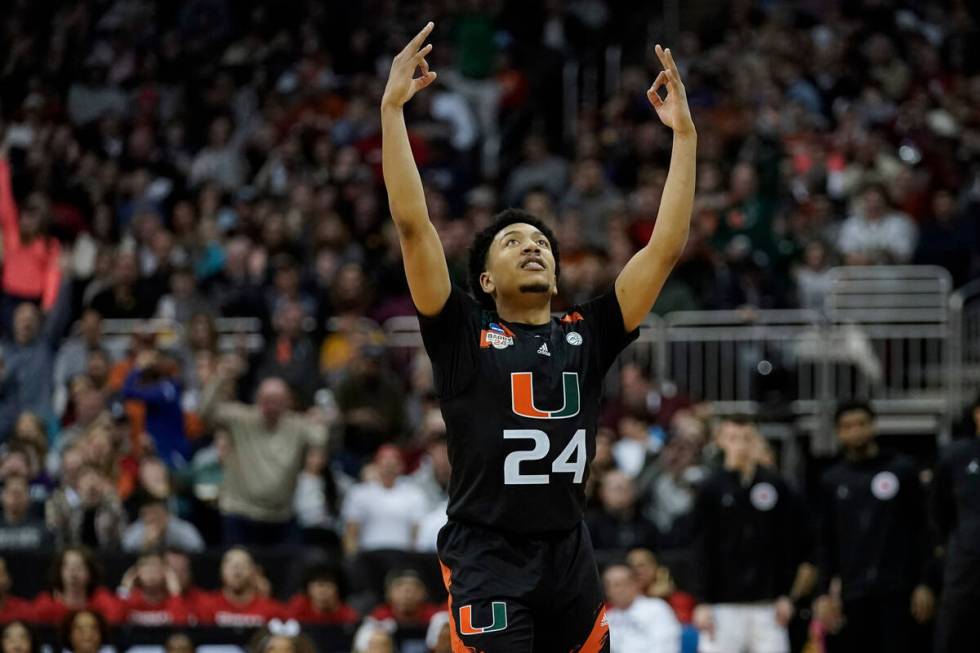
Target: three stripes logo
(466,627)
(522,396)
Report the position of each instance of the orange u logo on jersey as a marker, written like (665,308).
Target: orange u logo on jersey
(522,396)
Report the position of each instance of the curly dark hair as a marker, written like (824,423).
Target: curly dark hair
(481,247)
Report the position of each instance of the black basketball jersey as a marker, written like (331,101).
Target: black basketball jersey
(521,404)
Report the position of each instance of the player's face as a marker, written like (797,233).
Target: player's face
(620,586)
(520,262)
(855,429)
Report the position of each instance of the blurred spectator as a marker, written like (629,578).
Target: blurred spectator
(154,382)
(945,238)
(127,296)
(92,515)
(655,581)
(637,623)
(12,607)
(318,499)
(539,170)
(30,354)
(374,639)
(157,528)
(178,643)
(643,398)
(432,476)
(876,233)
(184,301)
(20,530)
(179,564)
(371,402)
(73,354)
(31,258)
(150,594)
(812,276)
(439,637)
(405,606)
(617,523)
(280,639)
(383,513)
(751,540)
(75,586)
(321,600)
(958,523)
(873,517)
(269,445)
(637,445)
(10,399)
(594,199)
(238,603)
(16,636)
(291,355)
(667,486)
(84,631)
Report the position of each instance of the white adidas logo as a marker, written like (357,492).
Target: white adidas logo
(543,349)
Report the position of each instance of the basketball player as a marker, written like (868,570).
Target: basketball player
(520,390)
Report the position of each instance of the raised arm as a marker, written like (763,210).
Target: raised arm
(8,206)
(640,281)
(425,261)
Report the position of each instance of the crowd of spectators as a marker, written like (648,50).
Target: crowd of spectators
(211,159)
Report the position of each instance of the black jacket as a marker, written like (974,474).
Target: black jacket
(956,509)
(874,531)
(750,537)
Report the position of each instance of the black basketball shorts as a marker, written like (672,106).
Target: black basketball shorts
(513,593)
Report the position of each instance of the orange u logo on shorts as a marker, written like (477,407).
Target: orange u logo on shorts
(466,626)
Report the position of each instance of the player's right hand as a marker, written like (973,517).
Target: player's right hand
(402,84)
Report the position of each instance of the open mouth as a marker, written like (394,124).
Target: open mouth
(534,264)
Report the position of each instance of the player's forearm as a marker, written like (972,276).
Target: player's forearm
(674,217)
(402,180)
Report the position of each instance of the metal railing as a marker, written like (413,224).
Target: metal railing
(895,335)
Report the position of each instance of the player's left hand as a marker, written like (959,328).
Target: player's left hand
(923,604)
(673,110)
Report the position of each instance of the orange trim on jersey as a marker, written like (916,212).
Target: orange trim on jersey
(598,637)
(455,641)
(572,317)
(522,395)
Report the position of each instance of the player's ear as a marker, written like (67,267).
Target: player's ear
(486,282)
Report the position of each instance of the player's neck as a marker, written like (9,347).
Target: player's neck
(517,314)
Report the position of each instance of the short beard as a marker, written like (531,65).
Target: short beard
(535,288)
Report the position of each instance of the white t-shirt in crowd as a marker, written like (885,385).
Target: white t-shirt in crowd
(647,626)
(387,517)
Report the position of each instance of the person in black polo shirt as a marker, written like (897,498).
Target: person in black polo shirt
(956,509)
(873,541)
(751,541)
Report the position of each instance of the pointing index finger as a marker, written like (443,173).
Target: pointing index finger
(414,45)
